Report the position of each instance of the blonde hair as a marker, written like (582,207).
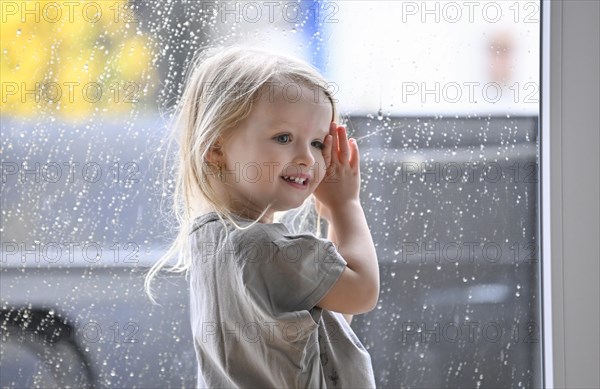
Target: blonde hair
(202,116)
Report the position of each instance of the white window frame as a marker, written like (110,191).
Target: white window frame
(570,127)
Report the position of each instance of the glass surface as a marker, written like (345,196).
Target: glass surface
(442,97)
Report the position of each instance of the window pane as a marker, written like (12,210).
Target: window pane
(442,97)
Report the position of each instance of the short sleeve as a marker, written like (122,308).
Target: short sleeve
(292,272)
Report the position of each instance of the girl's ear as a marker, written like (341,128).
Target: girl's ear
(215,153)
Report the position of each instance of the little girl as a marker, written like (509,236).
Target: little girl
(269,309)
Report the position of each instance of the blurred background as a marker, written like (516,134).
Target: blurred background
(442,96)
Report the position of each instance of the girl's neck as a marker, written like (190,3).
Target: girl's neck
(239,206)
(246,213)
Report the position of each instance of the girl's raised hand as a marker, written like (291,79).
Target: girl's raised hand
(341,183)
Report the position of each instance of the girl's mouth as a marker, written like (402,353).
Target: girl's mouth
(296,182)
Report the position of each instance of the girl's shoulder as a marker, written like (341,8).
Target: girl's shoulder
(202,220)
(249,231)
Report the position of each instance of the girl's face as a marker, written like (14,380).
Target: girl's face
(282,136)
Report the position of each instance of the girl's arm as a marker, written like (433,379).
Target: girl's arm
(343,209)
(332,237)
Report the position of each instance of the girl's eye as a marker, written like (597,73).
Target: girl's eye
(280,136)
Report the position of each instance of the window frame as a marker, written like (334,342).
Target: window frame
(569,215)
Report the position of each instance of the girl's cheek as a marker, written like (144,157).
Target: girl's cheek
(322,169)
(321,165)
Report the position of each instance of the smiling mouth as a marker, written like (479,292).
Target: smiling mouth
(298,181)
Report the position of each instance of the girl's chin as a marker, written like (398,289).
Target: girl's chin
(288,204)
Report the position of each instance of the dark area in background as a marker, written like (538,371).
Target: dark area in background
(179,29)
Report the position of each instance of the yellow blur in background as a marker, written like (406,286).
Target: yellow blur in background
(72,59)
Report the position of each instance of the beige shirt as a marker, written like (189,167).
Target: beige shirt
(253,314)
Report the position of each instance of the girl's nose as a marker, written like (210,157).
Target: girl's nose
(304,156)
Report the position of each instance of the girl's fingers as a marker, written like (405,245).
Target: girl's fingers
(355,156)
(334,141)
(332,130)
(344,148)
(327,150)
